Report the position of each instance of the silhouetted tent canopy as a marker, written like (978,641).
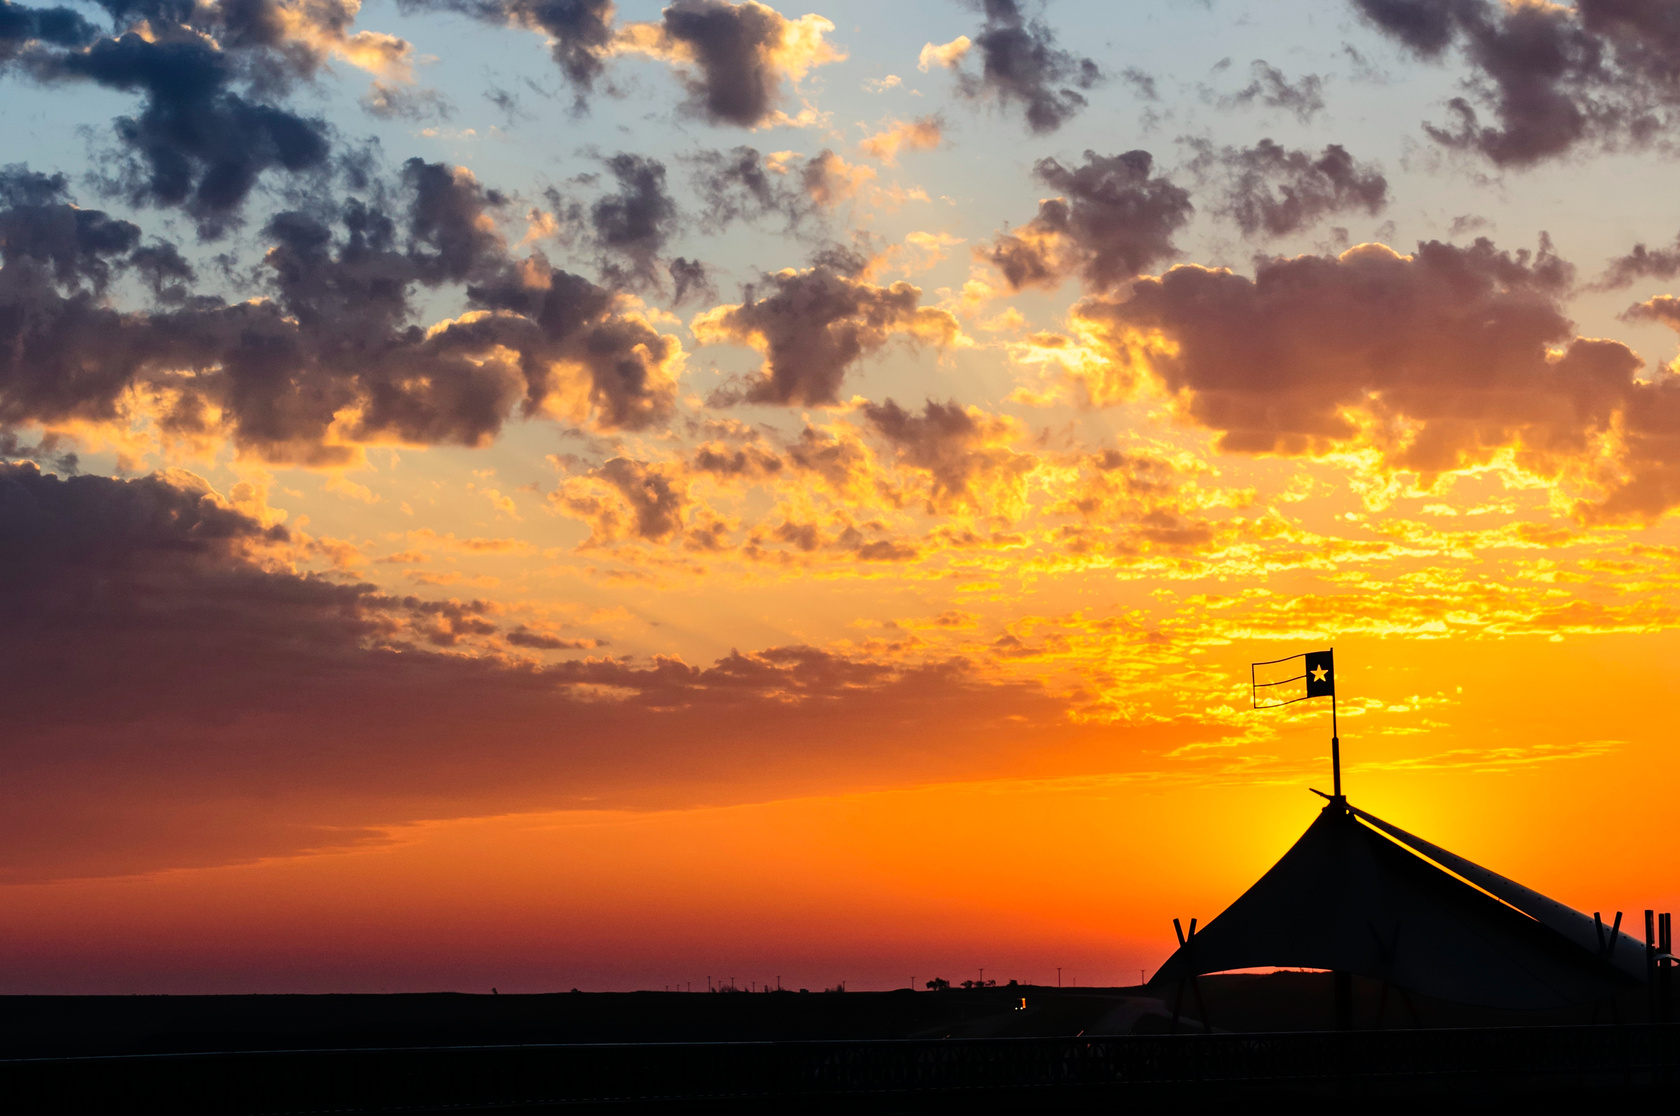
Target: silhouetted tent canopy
(1346,897)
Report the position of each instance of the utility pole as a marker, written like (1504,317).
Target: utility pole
(1058,976)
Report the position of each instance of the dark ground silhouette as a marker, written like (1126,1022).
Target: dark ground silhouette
(58,1026)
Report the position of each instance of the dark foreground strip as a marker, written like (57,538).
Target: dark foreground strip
(891,1075)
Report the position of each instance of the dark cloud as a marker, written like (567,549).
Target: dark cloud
(1466,223)
(211,80)
(48,449)
(392,101)
(21,27)
(1112,221)
(1664,309)
(736,462)
(1364,70)
(1276,191)
(189,704)
(963,451)
(637,220)
(733,58)
(570,326)
(523,636)
(196,142)
(20,186)
(1425,26)
(39,227)
(1603,73)
(53,531)
(813,325)
(163,269)
(580,30)
(1646,34)
(1021,64)
(337,336)
(450,221)
(1142,83)
(624,499)
(1641,263)
(690,279)
(742,185)
(1303,98)
(64,352)
(734,47)
(1453,356)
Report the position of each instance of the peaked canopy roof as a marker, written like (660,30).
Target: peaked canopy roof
(1346,897)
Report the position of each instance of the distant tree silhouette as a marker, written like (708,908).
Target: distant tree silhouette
(939,984)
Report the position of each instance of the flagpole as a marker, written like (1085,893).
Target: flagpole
(1335,747)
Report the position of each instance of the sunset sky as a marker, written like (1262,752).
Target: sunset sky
(547,493)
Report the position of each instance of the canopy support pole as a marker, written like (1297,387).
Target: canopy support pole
(1335,748)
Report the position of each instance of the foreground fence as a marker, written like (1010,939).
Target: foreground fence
(739,1075)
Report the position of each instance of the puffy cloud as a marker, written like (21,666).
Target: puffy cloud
(1663,308)
(1437,361)
(734,57)
(197,143)
(946,55)
(308,31)
(813,325)
(625,499)
(1275,191)
(587,360)
(1112,221)
(689,279)
(1426,26)
(39,228)
(208,77)
(22,26)
(1020,64)
(1601,73)
(636,220)
(1641,263)
(829,180)
(924,134)
(334,356)
(451,221)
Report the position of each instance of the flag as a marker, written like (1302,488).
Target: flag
(1297,678)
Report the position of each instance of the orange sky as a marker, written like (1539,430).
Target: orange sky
(594,516)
